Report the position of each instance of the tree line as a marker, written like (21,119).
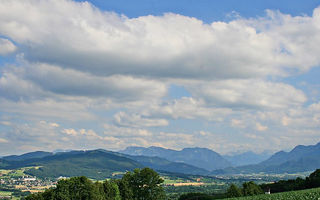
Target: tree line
(145,184)
(141,184)
(312,181)
(251,189)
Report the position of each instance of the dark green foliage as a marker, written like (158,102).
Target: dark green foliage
(312,181)
(125,188)
(196,196)
(250,189)
(234,191)
(111,190)
(145,184)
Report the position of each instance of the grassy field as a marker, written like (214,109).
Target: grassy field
(311,194)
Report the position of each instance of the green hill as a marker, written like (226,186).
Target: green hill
(95,164)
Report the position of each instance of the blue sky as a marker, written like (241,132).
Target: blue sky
(232,75)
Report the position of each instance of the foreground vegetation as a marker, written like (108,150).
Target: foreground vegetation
(146,184)
(310,194)
(140,184)
(252,189)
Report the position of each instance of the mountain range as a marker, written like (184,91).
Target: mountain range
(300,159)
(247,158)
(100,164)
(200,157)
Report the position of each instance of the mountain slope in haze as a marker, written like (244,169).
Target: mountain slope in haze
(296,154)
(26,156)
(199,157)
(300,159)
(247,158)
(161,164)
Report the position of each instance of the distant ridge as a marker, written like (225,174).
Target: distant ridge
(299,159)
(199,157)
(247,158)
(161,164)
(26,156)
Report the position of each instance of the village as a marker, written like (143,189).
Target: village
(14,183)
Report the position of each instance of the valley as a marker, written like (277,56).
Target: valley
(37,171)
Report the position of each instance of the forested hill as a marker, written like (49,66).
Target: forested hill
(97,164)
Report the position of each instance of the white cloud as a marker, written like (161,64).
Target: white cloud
(71,132)
(125,132)
(260,127)
(188,108)
(6,46)
(248,93)
(42,80)
(2,140)
(159,46)
(69,110)
(136,120)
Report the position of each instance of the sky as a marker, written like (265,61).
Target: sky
(231,76)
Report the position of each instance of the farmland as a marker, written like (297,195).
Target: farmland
(310,194)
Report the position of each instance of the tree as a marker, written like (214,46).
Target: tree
(111,190)
(234,191)
(145,184)
(124,187)
(250,189)
(314,179)
(76,188)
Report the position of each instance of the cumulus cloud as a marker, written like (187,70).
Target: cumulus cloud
(125,132)
(248,93)
(260,127)
(42,80)
(168,46)
(2,140)
(187,108)
(136,120)
(72,110)
(6,46)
